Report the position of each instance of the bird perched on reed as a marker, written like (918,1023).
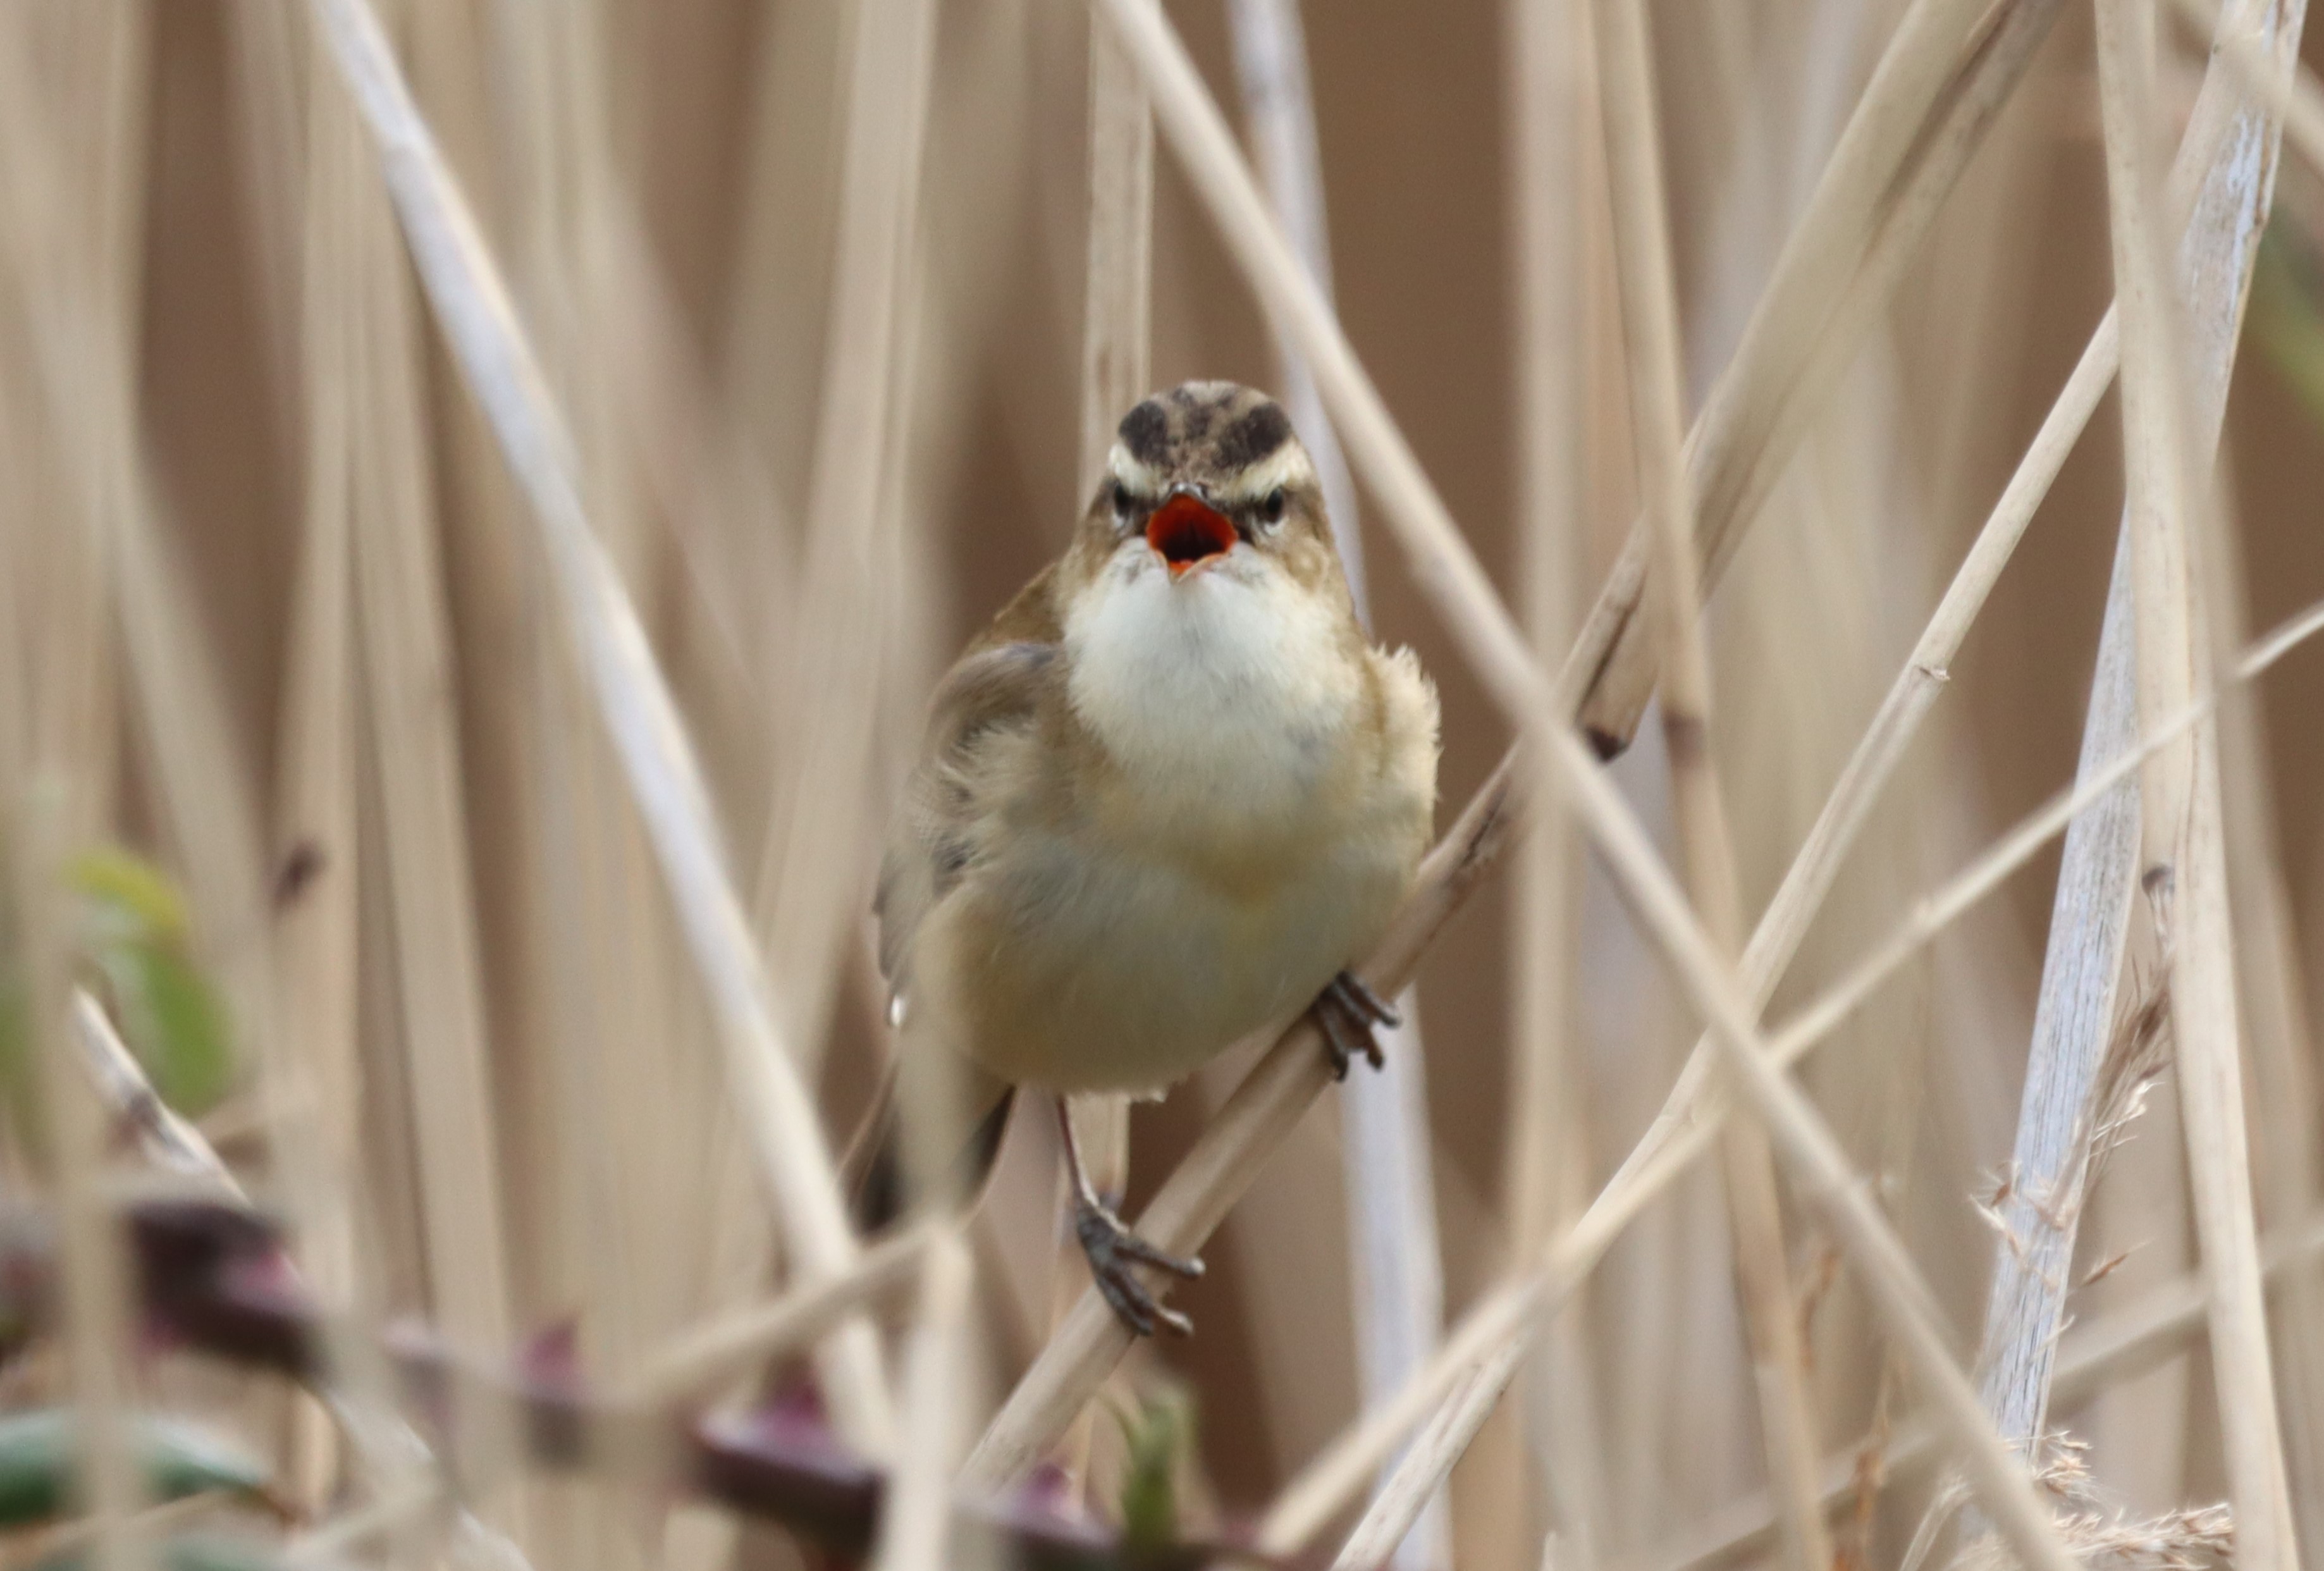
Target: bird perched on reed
(1166,799)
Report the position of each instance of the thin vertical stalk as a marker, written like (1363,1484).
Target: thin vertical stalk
(98,1320)
(919,1511)
(404,664)
(1117,315)
(1393,1246)
(815,864)
(317,1078)
(2184,857)
(63,263)
(1552,97)
(1650,322)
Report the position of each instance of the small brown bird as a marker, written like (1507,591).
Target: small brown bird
(1166,799)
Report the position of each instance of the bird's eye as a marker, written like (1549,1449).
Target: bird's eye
(1270,506)
(1119,495)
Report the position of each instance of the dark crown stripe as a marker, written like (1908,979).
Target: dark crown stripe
(1254,437)
(1145,431)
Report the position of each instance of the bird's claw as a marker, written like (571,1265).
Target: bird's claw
(1347,1010)
(1113,1250)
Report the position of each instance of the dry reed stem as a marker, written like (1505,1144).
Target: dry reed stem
(44,819)
(473,308)
(130,1101)
(2073,1020)
(2185,868)
(405,646)
(917,1514)
(1650,320)
(2091,1354)
(1116,352)
(604,969)
(2288,88)
(310,1068)
(1117,299)
(52,757)
(812,876)
(2073,1017)
(1552,98)
(2280,1040)
(1386,1158)
(1499,1322)
(1914,130)
(99,1324)
(268,48)
(763,384)
(319,1078)
(700,1358)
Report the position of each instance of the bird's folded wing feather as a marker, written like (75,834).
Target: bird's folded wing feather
(929,849)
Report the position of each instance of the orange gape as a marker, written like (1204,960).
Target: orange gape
(1186,531)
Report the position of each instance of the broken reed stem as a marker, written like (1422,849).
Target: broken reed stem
(472,306)
(2094,1353)
(2185,869)
(1650,321)
(1921,118)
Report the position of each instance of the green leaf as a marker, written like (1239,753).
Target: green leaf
(1155,1437)
(39,1458)
(173,1022)
(2287,312)
(130,900)
(137,937)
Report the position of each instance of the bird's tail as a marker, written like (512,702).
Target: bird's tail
(880,1181)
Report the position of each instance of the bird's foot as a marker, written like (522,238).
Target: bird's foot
(1347,1010)
(1113,1250)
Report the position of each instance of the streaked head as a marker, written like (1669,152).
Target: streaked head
(1207,479)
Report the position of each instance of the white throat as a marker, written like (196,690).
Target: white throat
(1227,693)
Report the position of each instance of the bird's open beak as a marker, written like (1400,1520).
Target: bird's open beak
(1186,533)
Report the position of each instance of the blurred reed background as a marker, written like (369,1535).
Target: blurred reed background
(807,281)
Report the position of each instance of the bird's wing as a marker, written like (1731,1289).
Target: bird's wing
(996,688)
